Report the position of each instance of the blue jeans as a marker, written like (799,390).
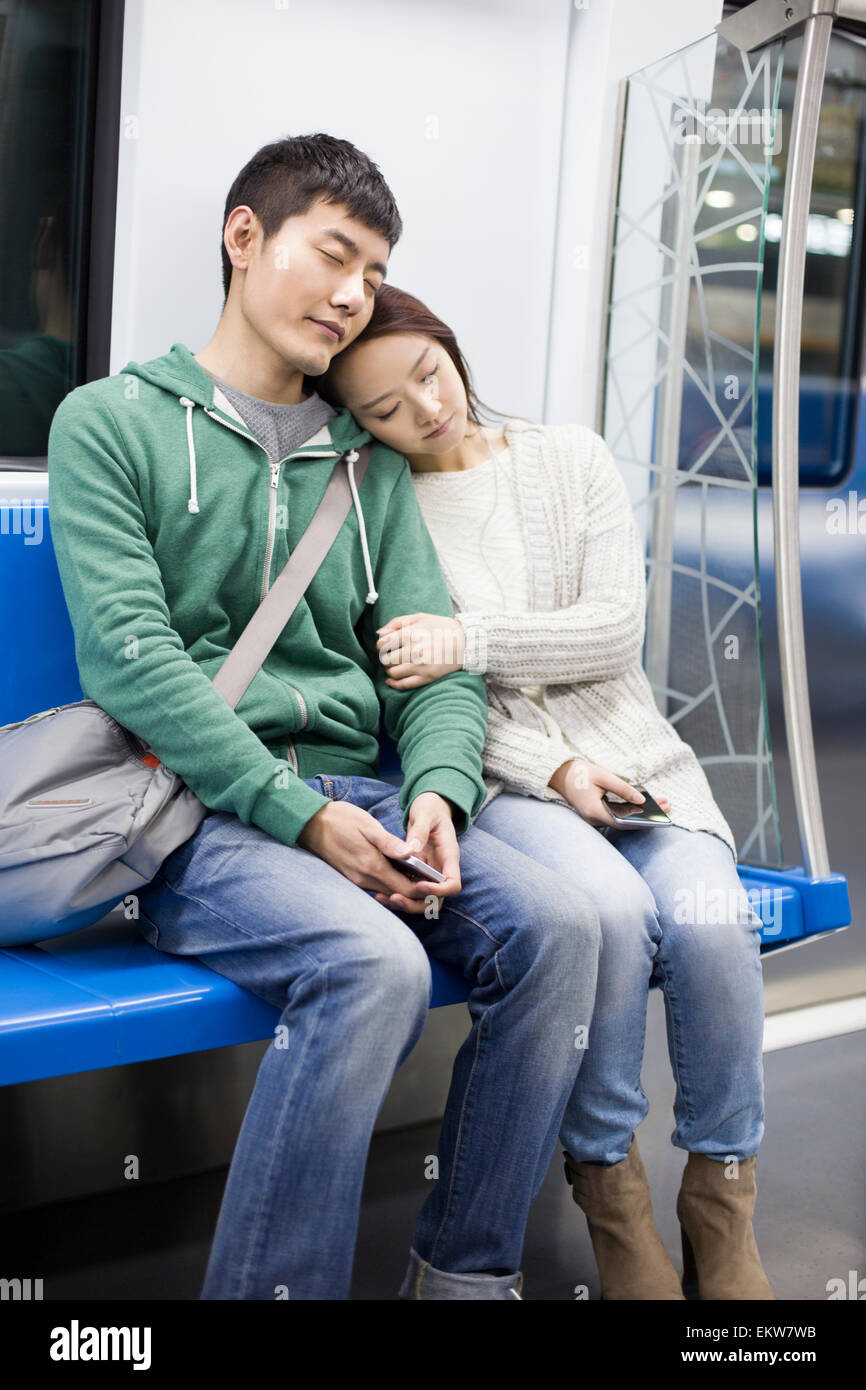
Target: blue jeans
(673,915)
(351,979)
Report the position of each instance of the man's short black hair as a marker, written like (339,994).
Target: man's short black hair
(284,178)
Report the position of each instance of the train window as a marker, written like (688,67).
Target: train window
(48,53)
(832,294)
(832,298)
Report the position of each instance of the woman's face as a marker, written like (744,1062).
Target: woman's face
(406,391)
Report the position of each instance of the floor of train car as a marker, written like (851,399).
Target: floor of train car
(152,1243)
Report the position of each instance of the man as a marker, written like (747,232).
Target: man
(178,488)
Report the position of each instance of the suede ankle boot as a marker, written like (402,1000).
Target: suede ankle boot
(615,1198)
(720,1256)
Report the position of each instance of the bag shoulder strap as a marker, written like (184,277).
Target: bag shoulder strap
(287,590)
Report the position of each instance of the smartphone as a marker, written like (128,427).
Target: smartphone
(416,869)
(627,813)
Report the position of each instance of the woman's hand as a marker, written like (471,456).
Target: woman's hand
(419,648)
(583,785)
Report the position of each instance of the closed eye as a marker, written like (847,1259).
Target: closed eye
(428,376)
(330,257)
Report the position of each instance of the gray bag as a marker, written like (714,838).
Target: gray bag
(87,812)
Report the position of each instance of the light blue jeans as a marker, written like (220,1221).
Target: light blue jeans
(674,915)
(352,982)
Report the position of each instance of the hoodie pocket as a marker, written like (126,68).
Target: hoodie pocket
(270,705)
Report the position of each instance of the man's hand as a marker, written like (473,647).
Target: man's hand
(353,842)
(583,784)
(430,828)
(418,648)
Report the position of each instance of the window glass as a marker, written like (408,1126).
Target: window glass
(47,49)
(829,364)
(831,336)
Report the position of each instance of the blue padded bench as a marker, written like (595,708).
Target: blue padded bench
(104,997)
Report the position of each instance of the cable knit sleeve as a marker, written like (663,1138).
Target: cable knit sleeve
(598,637)
(524,758)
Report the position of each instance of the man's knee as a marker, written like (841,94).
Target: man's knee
(558,920)
(388,957)
(404,965)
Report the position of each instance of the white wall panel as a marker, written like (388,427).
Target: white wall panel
(491,119)
(459,103)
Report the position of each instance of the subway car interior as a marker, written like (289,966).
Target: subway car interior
(666,202)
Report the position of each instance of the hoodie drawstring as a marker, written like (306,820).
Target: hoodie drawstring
(351,459)
(192,504)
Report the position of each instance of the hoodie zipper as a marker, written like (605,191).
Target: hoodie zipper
(272,490)
(269,548)
(272,511)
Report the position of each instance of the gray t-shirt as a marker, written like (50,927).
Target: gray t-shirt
(279,428)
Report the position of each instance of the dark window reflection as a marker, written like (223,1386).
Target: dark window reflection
(832,304)
(46,55)
(832,298)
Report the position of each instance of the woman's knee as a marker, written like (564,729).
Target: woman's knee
(713,911)
(627,912)
(603,882)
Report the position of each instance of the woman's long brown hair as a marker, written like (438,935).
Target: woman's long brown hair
(396,311)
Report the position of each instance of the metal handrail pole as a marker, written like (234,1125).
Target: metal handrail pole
(786,425)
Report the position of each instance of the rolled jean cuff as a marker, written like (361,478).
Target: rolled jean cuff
(423,1280)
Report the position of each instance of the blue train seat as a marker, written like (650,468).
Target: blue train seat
(103,996)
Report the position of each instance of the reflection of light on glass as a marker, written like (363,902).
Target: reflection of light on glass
(845,215)
(825,236)
(719,198)
(746,232)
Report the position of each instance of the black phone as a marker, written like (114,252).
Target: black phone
(416,869)
(627,813)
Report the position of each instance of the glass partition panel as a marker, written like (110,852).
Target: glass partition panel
(679,400)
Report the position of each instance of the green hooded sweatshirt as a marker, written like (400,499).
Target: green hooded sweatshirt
(170,524)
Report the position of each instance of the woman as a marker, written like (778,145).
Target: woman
(545,567)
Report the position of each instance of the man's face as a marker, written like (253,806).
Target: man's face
(309,290)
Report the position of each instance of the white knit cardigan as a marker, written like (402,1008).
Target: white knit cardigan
(582,640)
